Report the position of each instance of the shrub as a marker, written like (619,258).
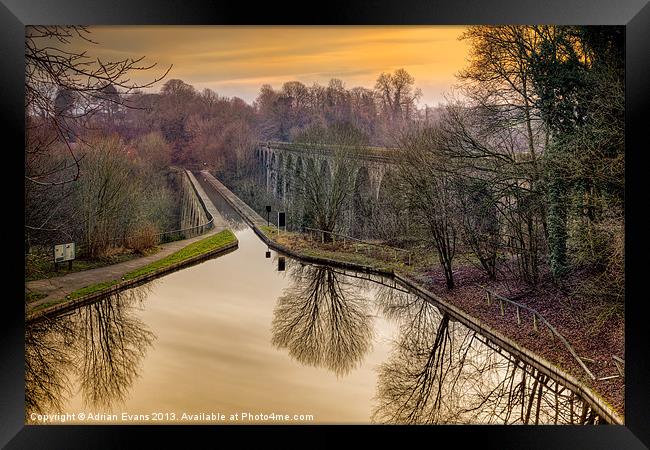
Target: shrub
(143,237)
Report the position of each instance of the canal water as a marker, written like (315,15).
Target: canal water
(256,337)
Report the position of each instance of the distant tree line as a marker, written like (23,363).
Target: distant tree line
(376,114)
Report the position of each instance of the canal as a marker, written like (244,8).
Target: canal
(265,337)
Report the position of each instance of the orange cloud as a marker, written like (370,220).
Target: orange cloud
(237,60)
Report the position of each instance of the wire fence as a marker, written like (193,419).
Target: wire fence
(536,320)
(398,254)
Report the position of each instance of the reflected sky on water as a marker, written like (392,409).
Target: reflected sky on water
(234,334)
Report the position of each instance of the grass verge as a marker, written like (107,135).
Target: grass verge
(198,248)
(362,254)
(195,249)
(33,296)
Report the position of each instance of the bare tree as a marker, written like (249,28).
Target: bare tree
(100,345)
(48,364)
(64,90)
(325,190)
(429,189)
(79,79)
(397,95)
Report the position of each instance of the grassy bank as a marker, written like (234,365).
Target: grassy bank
(198,248)
(373,256)
(193,250)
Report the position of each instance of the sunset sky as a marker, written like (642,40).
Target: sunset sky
(237,60)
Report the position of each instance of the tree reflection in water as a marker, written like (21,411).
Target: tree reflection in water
(47,364)
(441,372)
(101,345)
(322,319)
(111,343)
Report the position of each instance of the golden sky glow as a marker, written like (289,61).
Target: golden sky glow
(237,60)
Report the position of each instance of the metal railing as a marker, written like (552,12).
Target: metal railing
(344,238)
(172,235)
(536,318)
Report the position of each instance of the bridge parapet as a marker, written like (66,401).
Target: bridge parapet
(385,155)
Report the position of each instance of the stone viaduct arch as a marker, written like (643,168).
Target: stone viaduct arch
(282,166)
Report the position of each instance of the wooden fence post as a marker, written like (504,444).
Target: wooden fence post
(489,297)
(518,317)
(501,307)
(535,321)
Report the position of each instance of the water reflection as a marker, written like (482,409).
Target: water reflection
(111,342)
(47,364)
(441,372)
(322,319)
(100,345)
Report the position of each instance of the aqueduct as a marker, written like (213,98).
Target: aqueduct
(282,166)
(281,163)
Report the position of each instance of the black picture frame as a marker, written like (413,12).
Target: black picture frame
(634,14)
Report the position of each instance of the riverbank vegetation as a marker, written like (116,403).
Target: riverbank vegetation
(193,250)
(594,341)
(84,181)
